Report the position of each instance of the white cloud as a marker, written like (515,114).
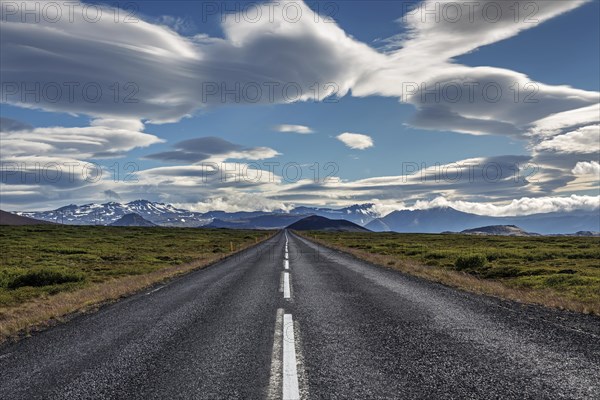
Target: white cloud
(203,70)
(103,139)
(129,124)
(490,179)
(558,123)
(272,60)
(355,140)
(78,142)
(255,153)
(236,201)
(301,129)
(471,100)
(448,33)
(381,209)
(584,140)
(516,207)
(53,162)
(587,168)
(178,24)
(211,149)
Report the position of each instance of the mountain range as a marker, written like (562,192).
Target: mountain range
(107,213)
(442,219)
(433,220)
(169,215)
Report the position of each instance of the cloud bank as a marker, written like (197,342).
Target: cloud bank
(277,61)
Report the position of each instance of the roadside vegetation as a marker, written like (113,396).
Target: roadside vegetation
(557,271)
(49,271)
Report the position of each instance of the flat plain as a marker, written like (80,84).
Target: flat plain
(557,271)
(47,271)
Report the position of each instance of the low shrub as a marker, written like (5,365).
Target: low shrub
(66,251)
(435,256)
(536,271)
(471,262)
(496,255)
(567,271)
(43,277)
(565,280)
(503,272)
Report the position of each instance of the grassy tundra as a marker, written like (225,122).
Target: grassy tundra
(47,271)
(561,272)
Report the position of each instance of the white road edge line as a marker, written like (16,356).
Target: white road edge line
(286,285)
(155,290)
(290,373)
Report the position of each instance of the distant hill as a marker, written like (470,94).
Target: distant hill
(7,218)
(433,220)
(317,223)
(498,230)
(132,219)
(586,233)
(447,219)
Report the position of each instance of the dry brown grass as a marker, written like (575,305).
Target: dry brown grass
(461,280)
(40,313)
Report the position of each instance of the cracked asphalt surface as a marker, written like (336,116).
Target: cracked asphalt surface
(361,331)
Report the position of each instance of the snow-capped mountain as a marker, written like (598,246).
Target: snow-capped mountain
(168,215)
(433,220)
(107,213)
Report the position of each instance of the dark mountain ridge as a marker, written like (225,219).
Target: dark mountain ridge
(318,223)
(132,219)
(7,218)
(498,230)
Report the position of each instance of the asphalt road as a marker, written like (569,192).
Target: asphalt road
(319,325)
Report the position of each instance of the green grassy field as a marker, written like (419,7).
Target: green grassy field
(41,260)
(57,269)
(565,268)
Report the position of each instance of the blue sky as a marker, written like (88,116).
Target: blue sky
(559,54)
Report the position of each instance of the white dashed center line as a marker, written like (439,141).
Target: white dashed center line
(286,285)
(290,373)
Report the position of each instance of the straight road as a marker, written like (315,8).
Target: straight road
(291,319)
